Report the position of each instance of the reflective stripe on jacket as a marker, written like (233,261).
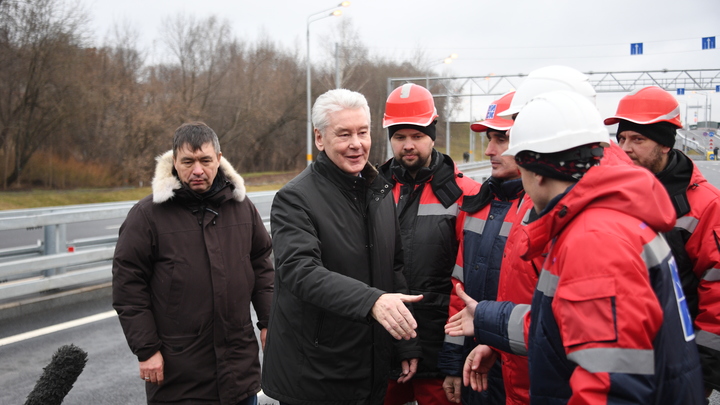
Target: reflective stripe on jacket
(427,207)
(695,243)
(485,230)
(607,324)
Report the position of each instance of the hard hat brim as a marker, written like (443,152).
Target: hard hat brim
(542,147)
(496,124)
(388,122)
(640,120)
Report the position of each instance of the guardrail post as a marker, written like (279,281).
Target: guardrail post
(55,236)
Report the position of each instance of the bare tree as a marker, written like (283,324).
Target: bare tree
(260,108)
(42,40)
(200,50)
(106,105)
(346,54)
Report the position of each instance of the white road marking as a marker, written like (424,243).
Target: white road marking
(56,328)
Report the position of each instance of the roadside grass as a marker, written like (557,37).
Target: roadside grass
(12,200)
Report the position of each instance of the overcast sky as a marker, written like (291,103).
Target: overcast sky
(500,36)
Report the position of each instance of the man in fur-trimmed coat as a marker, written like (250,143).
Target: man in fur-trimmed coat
(189,260)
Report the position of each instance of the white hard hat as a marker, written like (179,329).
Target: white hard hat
(547,79)
(557,121)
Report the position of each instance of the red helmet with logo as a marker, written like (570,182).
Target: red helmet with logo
(492,120)
(410,104)
(647,105)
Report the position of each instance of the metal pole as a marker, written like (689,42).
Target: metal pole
(707,117)
(337,66)
(388,146)
(687,125)
(472,135)
(54,238)
(447,134)
(308,153)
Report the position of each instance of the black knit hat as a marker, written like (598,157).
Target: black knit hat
(660,132)
(428,130)
(569,165)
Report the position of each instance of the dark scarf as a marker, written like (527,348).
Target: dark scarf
(440,174)
(676,179)
(493,188)
(212,196)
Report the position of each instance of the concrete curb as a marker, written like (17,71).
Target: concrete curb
(41,303)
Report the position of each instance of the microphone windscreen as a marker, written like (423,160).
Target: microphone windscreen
(58,377)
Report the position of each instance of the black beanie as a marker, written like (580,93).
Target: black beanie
(428,130)
(569,165)
(660,132)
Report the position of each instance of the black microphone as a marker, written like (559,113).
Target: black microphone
(58,377)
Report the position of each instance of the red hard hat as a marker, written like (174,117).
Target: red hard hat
(492,120)
(409,104)
(647,105)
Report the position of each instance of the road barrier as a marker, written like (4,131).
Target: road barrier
(56,263)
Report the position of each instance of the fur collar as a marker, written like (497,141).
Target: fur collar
(165,183)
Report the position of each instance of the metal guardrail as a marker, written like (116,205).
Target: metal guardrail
(56,268)
(48,265)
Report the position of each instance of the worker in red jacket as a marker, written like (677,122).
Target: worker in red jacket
(648,120)
(609,323)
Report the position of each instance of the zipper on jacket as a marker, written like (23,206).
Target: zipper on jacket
(199,221)
(321,318)
(217,214)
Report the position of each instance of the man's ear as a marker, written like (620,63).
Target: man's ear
(319,140)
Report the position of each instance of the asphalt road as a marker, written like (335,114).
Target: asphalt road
(111,374)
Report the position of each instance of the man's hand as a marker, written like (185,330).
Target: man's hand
(461,324)
(393,315)
(263,338)
(451,386)
(151,370)
(477,366)
(409,367)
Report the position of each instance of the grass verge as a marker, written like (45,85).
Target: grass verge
(12,200)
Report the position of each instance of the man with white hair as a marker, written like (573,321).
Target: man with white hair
(338,258)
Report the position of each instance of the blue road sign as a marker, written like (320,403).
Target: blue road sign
(708,43)
(717,88)
(680,91)
(636,48)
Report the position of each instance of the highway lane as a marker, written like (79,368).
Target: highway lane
(111,374)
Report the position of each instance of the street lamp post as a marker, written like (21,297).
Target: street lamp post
(318,16)
(446,61)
